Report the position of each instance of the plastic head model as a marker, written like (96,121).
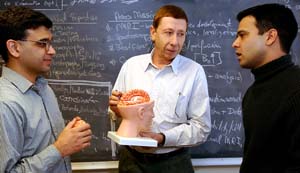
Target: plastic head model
(136,110)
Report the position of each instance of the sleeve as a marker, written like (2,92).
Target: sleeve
(198,125)
(120,84)
(294,131)
(11,145)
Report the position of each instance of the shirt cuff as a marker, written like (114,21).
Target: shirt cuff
(51,156)
(163,141)
(169,139)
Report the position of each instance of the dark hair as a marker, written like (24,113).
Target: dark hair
(169,11)
(15,20)
(275,16)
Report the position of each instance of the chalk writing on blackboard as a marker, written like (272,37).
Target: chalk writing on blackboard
(89,100)
(93,38)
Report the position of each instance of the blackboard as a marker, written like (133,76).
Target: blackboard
(93,38)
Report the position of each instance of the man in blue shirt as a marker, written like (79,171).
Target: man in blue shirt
(33,135)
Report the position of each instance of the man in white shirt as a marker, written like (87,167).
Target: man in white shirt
(178,86)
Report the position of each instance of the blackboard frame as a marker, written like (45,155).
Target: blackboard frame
(217,33)
(80,166)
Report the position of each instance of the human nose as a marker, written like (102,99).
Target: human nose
(174,39)
(235,43)
(51,50)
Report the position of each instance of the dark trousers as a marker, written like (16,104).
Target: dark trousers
(132,161)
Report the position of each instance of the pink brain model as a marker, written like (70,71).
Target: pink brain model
(133,97)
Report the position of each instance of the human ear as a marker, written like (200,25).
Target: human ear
(271,36)
(141,112)
(152,33)
(13,47)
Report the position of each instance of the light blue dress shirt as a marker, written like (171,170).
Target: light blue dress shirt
(30,122)
(182,111)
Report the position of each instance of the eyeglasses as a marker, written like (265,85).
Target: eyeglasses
(41,43)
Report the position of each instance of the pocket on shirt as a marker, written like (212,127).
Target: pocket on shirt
(177,109)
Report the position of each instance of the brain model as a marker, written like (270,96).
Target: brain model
(133,97)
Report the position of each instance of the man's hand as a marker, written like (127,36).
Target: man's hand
(74,137)
(114,100)
(78,122)
(156,136)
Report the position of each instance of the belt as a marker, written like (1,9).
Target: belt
(156,157)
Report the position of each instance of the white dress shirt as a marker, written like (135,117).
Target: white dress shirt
(182,111)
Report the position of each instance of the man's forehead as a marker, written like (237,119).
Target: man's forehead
(170,22)
(41,32)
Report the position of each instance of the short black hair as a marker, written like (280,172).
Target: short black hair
(275,16)
(15,20)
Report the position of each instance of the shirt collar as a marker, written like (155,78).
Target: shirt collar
(21,82)
(174,64)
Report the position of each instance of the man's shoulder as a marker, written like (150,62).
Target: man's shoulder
(293,76)
(186,59)
(188,62)
(6,87)
(9,92)
(296,68)
(138,59)
(293,72)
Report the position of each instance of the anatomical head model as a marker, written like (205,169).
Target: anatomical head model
(136,110)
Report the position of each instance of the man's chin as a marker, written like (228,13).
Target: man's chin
(246,66)
(45,72)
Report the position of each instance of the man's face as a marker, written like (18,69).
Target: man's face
(249,45)
(35,57)
(169,37)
